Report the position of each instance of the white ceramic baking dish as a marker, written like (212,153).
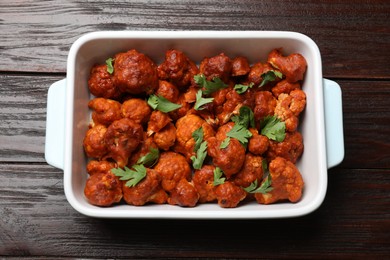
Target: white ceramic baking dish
(68,115)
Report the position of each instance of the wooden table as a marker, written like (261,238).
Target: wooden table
(35,218)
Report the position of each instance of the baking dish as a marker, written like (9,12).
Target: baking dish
(68,115)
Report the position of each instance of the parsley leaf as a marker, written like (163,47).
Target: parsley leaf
(270,76)
(131,176)
(264,188)
(217,177)
(208,86)
(200,101)
(225,143)
(110,67)
(162,104)
(198,137)
(241,133)
(201,153)
(246,117)
(150,158)
(240,89)
(273,128)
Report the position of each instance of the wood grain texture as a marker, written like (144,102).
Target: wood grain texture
(365,104)
(23,116)
(353,37)
(36,220)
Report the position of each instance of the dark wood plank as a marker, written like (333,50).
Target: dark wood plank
(365,104)
(353,36)
(366,124)
(23,116)
(36,220)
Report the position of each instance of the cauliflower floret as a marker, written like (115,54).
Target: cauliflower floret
(291,148)
(94,142)
(265,104)
(158,120)
(168,91)
(287,182)
(229,159)
(258,144)
(178,69)
(94,167)
(148,190)
(103,189)
(122,138)
(288,108)
(203,181)
(218,66)
(104,111)
(184,194)
(137,110)
(251,171)
(186,126)
(284,87)
(293,66)
(101,83)
(240,66)
(165,138)
(172,167)
(229,195)
(135,73)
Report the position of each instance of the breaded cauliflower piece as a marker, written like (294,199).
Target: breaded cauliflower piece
(148,190)
(287,182)
(291,148)
(104,111)
(292,66)
(289,107)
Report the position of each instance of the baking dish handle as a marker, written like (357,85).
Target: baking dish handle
(55,124)
(333,123)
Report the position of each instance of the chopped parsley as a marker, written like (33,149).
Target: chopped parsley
(150,158)
(208,86)
(264,188)
(241,133)
(162,104)
(110,67)
(200,101)
(240,89)
(269,76)
(198,137)
(201,153)
(218,179)
(225,143)
(133,177)
(273,128)
(246,117)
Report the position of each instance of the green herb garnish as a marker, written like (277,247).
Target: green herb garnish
(201,153)
(264,188)
(225,143)
(162,104)
(240,89)
(218,177)
(241,133)
(269,76)
(150,158)
(200,101)
(273,128)
(110,67)
(133,177)
(198,137)
(246,117)
(208,86)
